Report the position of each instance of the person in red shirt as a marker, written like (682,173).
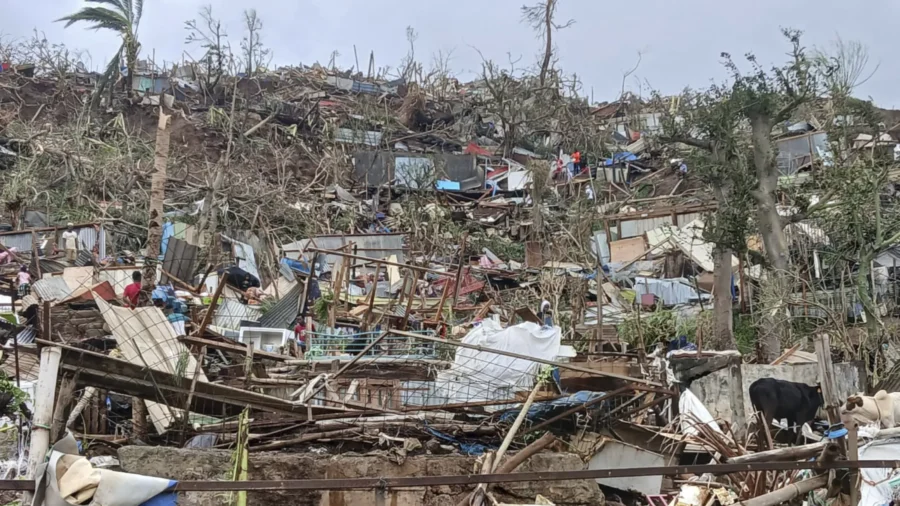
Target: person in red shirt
(133,290)
(300,335)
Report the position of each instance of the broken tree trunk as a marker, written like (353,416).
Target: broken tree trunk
(482,488)
(157,196)
(515,461)
(789,492)
(86,398)
(722,300)
(790,453)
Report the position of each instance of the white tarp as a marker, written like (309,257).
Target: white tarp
(482,376)
(879,486)
(68,478)
(689,404)
(671,291)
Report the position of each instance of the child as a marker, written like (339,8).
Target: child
(24,281)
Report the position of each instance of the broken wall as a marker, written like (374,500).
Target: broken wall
(725,392)
(191,464)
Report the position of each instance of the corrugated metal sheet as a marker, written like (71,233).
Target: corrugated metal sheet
(414,171)
(87,238)
(21,241)
(246,257)
(230,312)
(351,136)
(284,312)
(29,364)
(634,228)
(53,288)
(376,246)
(26,335)
(180,260)
(84,258)
(684,219)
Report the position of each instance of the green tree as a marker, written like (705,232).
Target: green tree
(123,17)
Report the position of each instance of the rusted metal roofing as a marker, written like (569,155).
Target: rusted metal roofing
(54,288)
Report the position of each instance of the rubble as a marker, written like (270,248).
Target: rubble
(363,277)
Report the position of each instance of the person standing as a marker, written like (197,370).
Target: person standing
(300,336)
(23,279)
(133,291)
(70,242)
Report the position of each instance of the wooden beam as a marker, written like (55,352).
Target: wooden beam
(212,306)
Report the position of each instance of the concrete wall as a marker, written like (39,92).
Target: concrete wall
(726,391)
(182,464)
(74,325)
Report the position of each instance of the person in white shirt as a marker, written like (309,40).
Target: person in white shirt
(70,243)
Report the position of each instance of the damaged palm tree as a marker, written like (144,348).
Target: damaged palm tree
(157,196)
(124,18)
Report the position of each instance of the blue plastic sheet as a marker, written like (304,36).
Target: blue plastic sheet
(540,411)
(295,265)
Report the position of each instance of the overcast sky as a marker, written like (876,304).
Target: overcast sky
(680,40)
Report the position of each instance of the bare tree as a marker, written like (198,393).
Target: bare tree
(540,17)
(843,66)
(211,37)
(252,49)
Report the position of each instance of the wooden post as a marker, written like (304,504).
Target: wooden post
(826,378)
(66,389)
(45,322)
(459,269)
(853,454)
(190,398)
(35,256)
(43,408)
(212,307)
(367,317)
(304,300)
(409,300)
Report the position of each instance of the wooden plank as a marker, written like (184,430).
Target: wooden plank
(625,249)
(533,255)
(95,369)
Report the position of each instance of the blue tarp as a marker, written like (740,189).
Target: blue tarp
(624,156)
(544,410)
(168,231)
(295,265)
(447,185)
